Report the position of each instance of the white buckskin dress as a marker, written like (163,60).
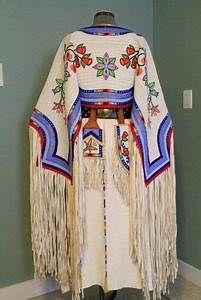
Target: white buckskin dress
(102,200)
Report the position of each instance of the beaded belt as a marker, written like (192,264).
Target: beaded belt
(106,101)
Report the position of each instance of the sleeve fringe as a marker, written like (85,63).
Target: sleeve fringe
(49,230)
(153,228)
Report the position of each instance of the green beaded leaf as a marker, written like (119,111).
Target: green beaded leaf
(83,64)
(57,89)
(111,72)
(86,55)
(154,92)
(151,85)
(112,60)
(125,55)
(68,46)
(99,73)
(80,45)
(99,59)
(59,81)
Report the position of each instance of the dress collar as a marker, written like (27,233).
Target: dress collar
(105,30)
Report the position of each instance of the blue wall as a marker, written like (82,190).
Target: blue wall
(177,48)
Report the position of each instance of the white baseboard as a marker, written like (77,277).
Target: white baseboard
(189,272)
(28,289)
(33,288)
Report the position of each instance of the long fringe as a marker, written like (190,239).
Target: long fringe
(119,173)
(77,222)
(93,178)
(57,220)
(48,205)
(58,223)
(153,208)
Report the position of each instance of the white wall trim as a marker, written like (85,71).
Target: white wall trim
(189,272)
(35,287)
(28,289)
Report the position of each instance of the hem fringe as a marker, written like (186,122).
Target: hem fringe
(58,220)
(153,208)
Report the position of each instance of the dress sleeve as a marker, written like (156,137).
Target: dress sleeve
(154,180)
(56,115)
(152,121)
(50,131)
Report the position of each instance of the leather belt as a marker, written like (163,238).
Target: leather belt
(106,113)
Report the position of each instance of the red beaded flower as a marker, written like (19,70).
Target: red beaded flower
(134,58)
(74,58)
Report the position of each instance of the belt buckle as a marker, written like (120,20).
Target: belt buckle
(105,113)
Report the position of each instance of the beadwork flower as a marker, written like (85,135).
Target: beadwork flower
(125,135)
(134,58)
(106,66)
(123,146)
(154,110)
(74,58)
(125,151)
(152,92)
(59,107)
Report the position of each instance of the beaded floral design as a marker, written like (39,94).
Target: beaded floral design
(60,105)
(152,92)
(134,58)
(106,66)
(122,136)
(73,59)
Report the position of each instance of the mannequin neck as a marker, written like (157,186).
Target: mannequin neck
(104,18)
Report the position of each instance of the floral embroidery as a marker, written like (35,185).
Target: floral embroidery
(92,142)
(105,66)
(60,106)
(122,137)
(152,109)
(134,58)
(74,58)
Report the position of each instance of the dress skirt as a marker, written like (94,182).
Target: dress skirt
(106,260)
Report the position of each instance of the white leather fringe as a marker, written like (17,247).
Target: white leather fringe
(48,206)
(93,178)
(76,222)
(155,206)
(93,169)
(119,173)
(58,222)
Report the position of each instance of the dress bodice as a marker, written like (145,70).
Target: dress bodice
(106,60)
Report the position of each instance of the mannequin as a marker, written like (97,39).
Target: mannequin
(103,198)
(103,18)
